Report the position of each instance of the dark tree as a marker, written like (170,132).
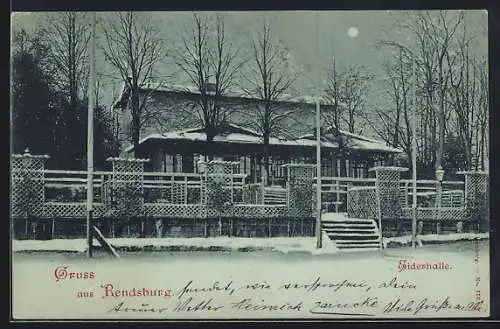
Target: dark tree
(31,117)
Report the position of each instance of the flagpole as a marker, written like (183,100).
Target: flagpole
(90,140)
(318,146)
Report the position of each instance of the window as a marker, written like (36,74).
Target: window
(163,163)
(188,164)
(173,163)
(169,163)
(196,159)
(277,168)
(327,167)
(178,163)
(247,165)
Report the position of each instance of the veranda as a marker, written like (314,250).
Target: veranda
(129,202)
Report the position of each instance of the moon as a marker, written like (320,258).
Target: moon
(353,32)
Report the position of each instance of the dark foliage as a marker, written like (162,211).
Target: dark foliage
(43,119)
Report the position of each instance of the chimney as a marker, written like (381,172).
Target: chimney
(210,87)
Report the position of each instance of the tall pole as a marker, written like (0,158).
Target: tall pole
(318,175)
(90,139)
(318,147)
(414,155)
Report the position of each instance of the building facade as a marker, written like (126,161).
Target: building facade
(178,143)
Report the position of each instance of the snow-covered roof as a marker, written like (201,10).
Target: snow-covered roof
(234,92)
(246,136)
(360,142)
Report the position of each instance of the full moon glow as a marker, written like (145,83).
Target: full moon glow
(353,32)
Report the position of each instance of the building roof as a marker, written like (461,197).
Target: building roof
(241,135)
(234,92)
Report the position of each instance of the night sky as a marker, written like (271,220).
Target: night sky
(350,36)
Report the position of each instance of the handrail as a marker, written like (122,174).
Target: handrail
(427,181)
(349,179)
(361,188)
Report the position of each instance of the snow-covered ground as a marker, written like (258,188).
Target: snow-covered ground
(437,238)
(283,244)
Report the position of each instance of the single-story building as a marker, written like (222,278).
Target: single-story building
(180,151)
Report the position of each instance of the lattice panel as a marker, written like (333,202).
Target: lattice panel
(300,172)
(127,187)
(439,214)
(27,189)
(300,190)
(174,210)
(259,211)
(301,198)
(71,210)
(218,186)
(477,195)
(389,190)
(362,202)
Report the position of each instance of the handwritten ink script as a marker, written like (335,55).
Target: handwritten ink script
(316,297)
(333,293)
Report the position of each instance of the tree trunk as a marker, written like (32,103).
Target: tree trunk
(265,156)
(211,133)
(342,154)
(136,119)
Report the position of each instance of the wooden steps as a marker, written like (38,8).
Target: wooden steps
(352,234)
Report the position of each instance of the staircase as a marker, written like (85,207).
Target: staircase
(351,234)
(274,195)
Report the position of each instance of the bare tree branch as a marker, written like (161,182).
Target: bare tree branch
(134,47)
(210,61)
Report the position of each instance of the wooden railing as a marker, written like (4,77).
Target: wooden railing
(186,187)
(334,190)
(178,185)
